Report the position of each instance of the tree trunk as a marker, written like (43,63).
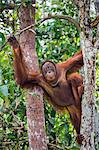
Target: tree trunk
(97,114)
(35,107)
(89,55)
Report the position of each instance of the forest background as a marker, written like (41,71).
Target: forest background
(56,40)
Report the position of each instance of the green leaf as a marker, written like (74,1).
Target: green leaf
(4,90)
(0,76)
(1,103)
(2,39)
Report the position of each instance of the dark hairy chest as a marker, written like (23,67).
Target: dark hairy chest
(62,94)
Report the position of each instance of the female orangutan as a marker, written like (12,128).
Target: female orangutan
(63,87)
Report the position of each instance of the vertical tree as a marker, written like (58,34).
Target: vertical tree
(35,108)
(97,47)
(89,56)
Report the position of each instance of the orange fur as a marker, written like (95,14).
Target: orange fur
(64,92)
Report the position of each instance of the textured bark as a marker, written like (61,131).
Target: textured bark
(35,116)
(97,36)
(35,108)
(89,55)
(97,114)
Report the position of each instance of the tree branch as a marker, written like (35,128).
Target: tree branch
(95,22)
(70,19)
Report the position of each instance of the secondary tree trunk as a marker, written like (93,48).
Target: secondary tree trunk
(97,114)
(35,108)
(89,55)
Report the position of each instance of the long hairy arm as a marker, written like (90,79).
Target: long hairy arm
(73,64)
(22,76)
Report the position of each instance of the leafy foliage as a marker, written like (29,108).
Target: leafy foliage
(56,40)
